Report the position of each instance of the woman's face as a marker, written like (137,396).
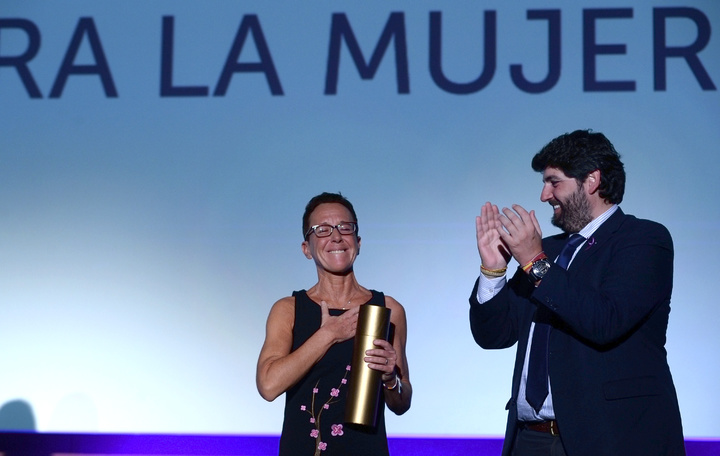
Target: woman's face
(335,253)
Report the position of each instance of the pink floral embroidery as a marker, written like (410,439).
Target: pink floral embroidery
(337,429)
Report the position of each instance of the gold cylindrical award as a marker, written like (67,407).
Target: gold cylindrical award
(365,384)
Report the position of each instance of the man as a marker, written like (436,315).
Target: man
(603,318)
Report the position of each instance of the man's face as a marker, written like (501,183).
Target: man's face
(570,203)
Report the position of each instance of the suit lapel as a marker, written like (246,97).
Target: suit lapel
(599,238)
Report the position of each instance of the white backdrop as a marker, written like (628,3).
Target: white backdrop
(147,225)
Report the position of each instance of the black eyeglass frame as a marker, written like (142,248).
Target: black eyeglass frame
(332,228)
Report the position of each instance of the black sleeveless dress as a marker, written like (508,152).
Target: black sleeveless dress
(315,406)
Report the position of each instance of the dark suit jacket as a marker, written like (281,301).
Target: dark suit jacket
(612,389)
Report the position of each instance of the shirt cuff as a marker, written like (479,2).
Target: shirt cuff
(488,288)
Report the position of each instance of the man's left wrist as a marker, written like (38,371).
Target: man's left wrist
(538,269)
(526,267)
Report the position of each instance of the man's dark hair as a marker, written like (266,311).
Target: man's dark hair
(581,152)
(323,198)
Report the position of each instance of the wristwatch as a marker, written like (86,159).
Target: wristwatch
(538,269)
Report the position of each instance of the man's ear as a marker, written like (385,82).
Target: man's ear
(592,182)
(306,250)
(359,239)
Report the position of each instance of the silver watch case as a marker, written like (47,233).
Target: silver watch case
(538,269)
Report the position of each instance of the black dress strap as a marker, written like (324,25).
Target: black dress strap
(378,298)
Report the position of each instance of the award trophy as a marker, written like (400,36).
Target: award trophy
(365,386)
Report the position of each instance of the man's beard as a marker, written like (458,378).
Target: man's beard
(574,213)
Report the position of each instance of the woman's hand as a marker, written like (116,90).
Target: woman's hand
(343,326)
(383,359)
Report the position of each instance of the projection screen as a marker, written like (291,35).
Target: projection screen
(156,158)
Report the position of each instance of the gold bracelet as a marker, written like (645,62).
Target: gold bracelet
(493,273)
(497,271)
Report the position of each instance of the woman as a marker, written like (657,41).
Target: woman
(309,342)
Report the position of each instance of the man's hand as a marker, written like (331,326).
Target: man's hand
(493,252)
(521,234)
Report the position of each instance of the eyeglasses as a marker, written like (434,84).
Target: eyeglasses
(326,230)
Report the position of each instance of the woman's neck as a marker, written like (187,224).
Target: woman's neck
(339,294)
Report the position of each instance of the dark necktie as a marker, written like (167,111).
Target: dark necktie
(537,379)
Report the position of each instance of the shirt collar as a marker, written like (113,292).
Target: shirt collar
(591,227)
